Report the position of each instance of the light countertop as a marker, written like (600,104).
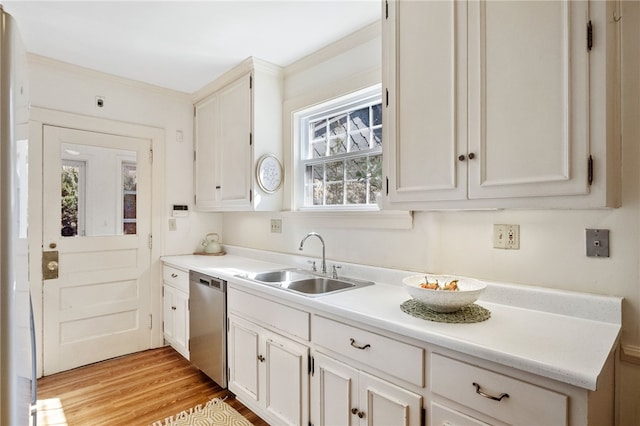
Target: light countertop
(565,336)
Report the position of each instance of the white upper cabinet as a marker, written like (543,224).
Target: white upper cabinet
(501,104)
(238,119)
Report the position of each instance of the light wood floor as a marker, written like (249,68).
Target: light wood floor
(137,389)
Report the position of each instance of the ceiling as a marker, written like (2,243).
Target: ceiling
(183,45)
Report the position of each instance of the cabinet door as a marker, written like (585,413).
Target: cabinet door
(334,393)
(528,98)
(287,380)
(169,306)
(181,321)
(243,352)
(207,135)
(234,154)
(424,59)
(386,404)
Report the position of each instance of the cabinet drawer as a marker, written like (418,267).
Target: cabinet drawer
(269,313)
(176,277)
(441,415)
(389,355)
(525,403)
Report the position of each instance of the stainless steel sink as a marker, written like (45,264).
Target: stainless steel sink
(305,283)
(283,275)
(317,285)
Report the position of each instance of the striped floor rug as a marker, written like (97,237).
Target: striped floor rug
(215,413)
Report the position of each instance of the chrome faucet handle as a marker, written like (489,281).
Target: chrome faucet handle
(313,265)
(334,273)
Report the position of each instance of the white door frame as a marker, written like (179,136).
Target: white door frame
(43,116)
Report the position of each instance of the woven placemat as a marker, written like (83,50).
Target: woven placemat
(466,314)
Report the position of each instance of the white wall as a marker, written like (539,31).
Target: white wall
(552,252)
(64,87)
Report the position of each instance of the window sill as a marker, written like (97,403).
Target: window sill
(365,219)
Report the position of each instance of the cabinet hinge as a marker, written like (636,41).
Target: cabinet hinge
(590,170)
(250,82)
(386,10)
(589,35)
(150,322)
(387,179)
(311,365)
(250,138)
(387,96)
(150,241)
(250,196)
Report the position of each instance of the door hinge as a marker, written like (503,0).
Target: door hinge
(589,36)
(150,322)
(387,96)
(150,155)
(590,170)
(386,10)
(150,241)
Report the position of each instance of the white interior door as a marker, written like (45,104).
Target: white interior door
(97,217)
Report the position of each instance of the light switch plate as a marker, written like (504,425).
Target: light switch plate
(597,242)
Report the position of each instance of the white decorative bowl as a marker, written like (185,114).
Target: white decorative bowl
(444,300)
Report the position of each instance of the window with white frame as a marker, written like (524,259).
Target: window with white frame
(340,147)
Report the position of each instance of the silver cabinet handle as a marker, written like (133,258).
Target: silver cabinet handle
(486,395)
(353,343)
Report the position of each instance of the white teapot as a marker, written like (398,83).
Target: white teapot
(211,243)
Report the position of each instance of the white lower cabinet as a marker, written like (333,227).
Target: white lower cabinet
(175,300)
(268,372)
(344,395)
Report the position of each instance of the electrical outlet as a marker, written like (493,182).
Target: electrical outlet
(276,226)
(506,237)
(512,240)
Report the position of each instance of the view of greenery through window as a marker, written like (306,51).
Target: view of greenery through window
(70,176)
(343,164)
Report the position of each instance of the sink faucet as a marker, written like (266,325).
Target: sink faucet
(315,234)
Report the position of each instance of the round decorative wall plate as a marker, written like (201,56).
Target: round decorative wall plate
(269,173)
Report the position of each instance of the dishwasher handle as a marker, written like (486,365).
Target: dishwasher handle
(208,281)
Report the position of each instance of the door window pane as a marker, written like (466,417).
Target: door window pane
(99,191)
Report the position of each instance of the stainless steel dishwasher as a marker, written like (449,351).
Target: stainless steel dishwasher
(208,325)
